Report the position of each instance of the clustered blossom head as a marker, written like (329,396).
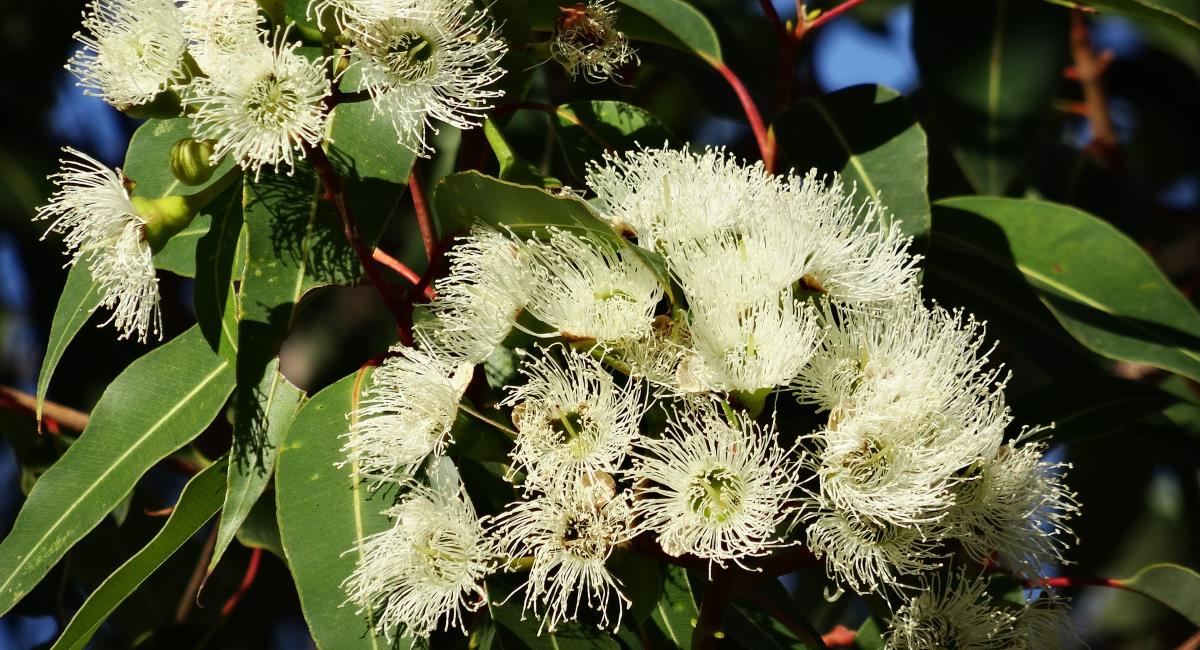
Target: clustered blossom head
(789,288)
(100,226)
(586,41)
(421,62)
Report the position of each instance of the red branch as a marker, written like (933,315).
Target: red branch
(1063,582)
(765,140)
(400,267)
(335,193)
(839,637)
(247,581)
(803,26)
(421,207)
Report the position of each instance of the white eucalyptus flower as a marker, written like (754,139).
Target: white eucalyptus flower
(92,209)
(588,289)
(860,254)
(1015,509)
(865,555)
(218,29)
(667,195)
(405,415)
(955,612)
(586,41)
(716,490)
(1045,624)
(423,62)
(424,571)
(751,348)
(569,534)
(573,419)
(133,50)
(260,104)
(479,300)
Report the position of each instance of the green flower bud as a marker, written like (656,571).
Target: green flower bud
(191,161)
(163,217)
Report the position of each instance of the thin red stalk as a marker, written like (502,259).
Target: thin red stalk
(839,637)
(421,206)
(16,400)
(334,192)
(400,267)
(803,27)
(1064,582)
(247,581)
(765,140)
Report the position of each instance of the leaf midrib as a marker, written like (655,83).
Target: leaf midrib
(111,468)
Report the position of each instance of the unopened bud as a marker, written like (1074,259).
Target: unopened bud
(191,161)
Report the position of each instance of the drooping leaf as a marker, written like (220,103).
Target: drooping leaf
(868,636)
(80,297)
(159,403)
(147,160)
(676,614)
(587,129)
(1101,286)
(212,297)
(868,135)
(324,516)
(990,73)
(1087,407)
(198,502)
(252,460)
(1172,585)
(463,200)
(261,528)
(517,632)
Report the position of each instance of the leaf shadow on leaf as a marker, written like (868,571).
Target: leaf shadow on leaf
(989,237)
(306,230)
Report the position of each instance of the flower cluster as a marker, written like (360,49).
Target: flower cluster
(254,96)
(646,410)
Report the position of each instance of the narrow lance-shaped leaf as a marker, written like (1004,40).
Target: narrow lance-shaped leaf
(252,460)
(1101,286)
(1172,585)
(324,516)
(159,403)
(199,501)
(676,613)
(80,297)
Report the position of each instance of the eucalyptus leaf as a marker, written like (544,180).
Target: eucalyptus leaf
(159,403)
(588,129)
(79,298)
(324,516)
(1082,408)
(1101,286)
(869,136)
(200,500)
(147,160)
(1172,585)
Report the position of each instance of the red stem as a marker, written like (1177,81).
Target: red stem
(769,9)
(247,581)
(766,141)
(1064,582)
(421,206)
(334,192)
(399,267)
(803,27)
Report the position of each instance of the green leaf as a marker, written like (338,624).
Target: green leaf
(676,613)
(1172,585)
(1083,408)
(869,136)
(363,146)
(213,296)
(519,631)
(586,129)
(147,160)
(261,529)
(468,198)
(80,297)
(641,582)
(324,513)
(252,461)
(990,73)
(673,23)
(1176,16)
(179,254)
(198,502)
(1100,285)
(159,403)
(868,636)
